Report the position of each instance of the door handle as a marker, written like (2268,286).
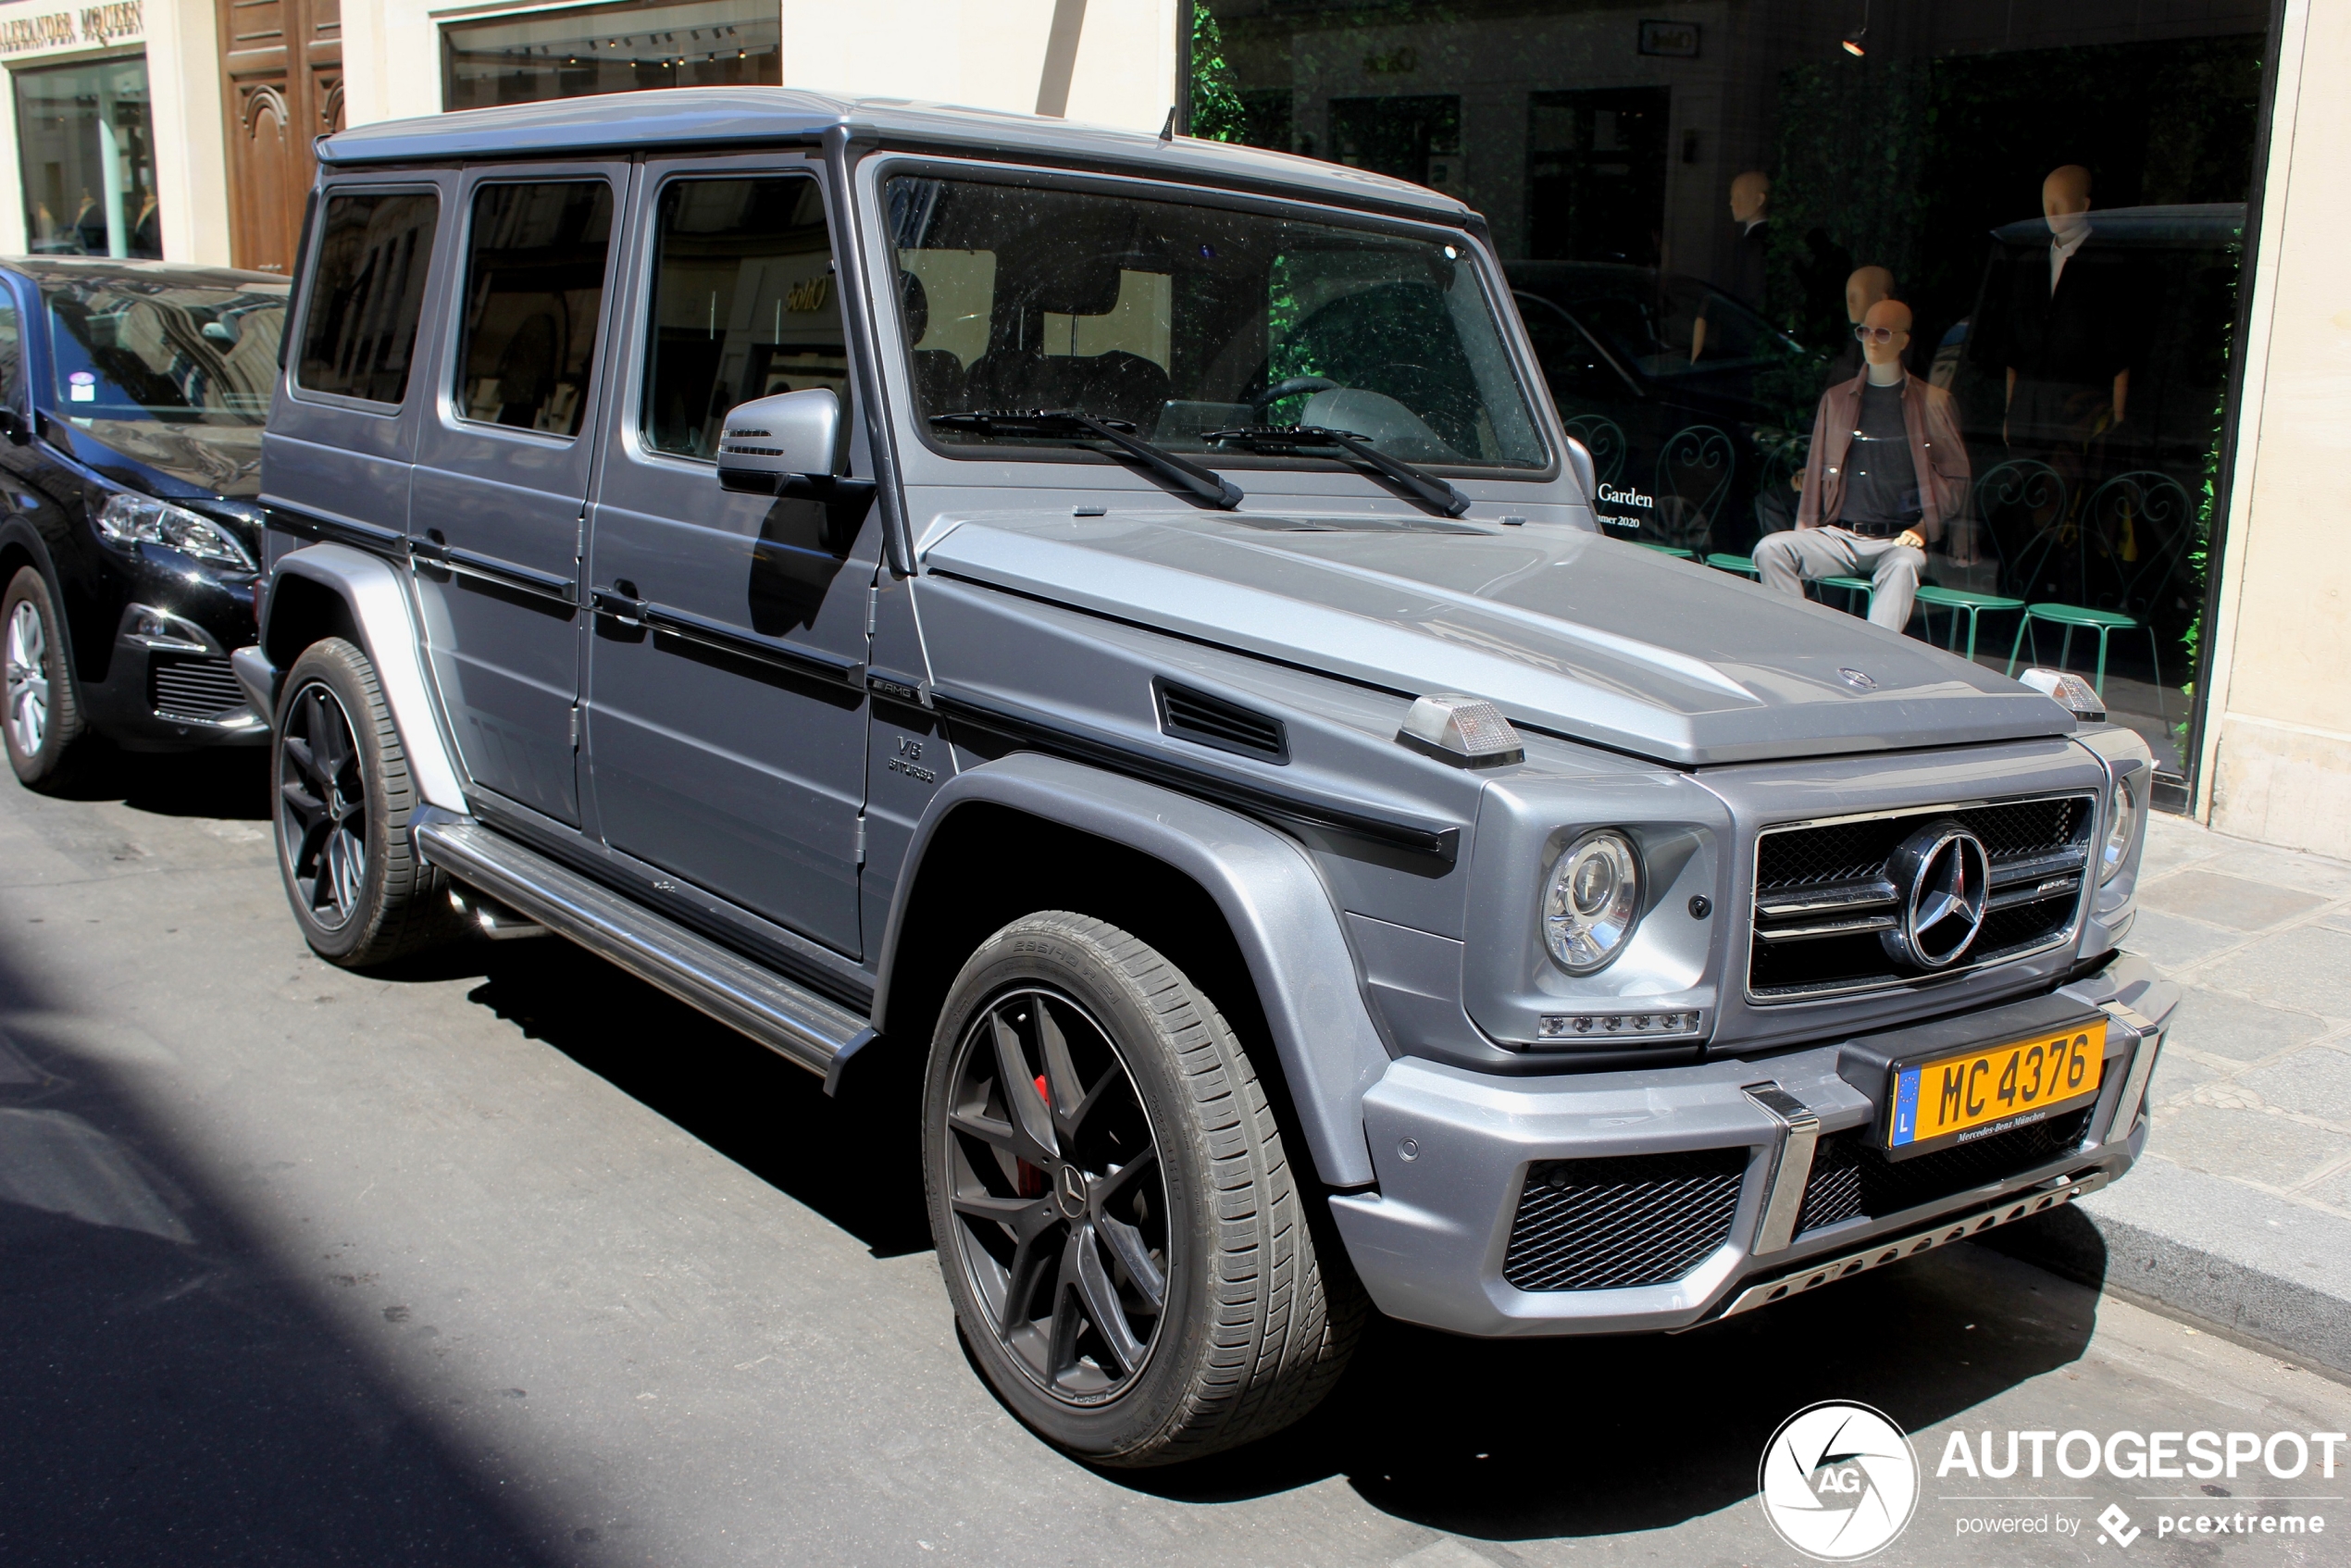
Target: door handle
(620,603)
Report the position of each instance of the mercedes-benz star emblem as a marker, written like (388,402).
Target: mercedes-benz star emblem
(1941,874)
(1071,1189)
(1857,679)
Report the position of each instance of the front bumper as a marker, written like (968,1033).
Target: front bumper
(168,684)
(1453,1151)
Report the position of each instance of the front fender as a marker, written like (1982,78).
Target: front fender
(376,594)
(1280,914)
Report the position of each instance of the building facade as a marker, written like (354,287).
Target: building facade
(2112,223)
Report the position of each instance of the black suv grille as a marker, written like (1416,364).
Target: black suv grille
(199,687)
(1636,1219)
(1823,895)
(1851,1177)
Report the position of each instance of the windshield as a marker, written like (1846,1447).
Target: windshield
(136,348)
(1186,319)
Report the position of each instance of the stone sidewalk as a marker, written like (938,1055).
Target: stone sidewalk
(2241,1211)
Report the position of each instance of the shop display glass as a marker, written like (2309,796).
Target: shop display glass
(1696,211)
(88,160)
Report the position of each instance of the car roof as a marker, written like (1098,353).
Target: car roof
(680,118)
(2206,223)
(83,268)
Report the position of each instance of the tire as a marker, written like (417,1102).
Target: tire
(1251,1326)
(344,800)
(40,708)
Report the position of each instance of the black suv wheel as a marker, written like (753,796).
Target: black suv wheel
(1121,1229)
(344,797)
(40,711)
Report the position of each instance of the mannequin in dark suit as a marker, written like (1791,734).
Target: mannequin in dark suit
(2066,340)
(1743,280)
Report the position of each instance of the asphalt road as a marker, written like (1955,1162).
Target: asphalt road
(506,1259)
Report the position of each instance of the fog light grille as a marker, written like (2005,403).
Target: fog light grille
(198,688)
(1637,1219)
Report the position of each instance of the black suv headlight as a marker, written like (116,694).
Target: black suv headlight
(127,518)
(1593,901)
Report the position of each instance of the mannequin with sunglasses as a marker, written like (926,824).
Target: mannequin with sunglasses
(1863,288)
(1886,470)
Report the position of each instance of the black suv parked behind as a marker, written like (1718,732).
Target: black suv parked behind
(131,399)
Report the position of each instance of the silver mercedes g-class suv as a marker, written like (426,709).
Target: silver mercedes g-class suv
(1113,624)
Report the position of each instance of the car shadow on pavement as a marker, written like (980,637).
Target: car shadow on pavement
(169,1392)
(1542,1439)
(224,782)
(855,1160)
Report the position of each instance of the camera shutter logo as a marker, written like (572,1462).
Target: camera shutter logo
(1838,1481)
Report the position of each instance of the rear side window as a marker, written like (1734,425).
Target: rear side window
(359,332)
(534,294)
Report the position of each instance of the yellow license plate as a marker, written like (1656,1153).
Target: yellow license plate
(1957,1099)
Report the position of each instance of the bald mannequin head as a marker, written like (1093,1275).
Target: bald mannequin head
(1865,288)
(1894,318)
(2065,197)
(1750,196)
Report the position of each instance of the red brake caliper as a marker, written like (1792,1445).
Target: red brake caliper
(1031,1180)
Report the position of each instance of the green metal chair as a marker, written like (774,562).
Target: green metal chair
(2023,490)
(1722,560)
(1849,586)
(2149,500)
(1673,549)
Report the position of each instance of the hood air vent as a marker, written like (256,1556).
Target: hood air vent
(1211,721)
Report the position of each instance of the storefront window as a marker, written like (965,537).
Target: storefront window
(610,49)
(1697,211)
(89,163)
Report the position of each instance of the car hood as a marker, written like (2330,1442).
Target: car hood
(223,460)
(1568,632)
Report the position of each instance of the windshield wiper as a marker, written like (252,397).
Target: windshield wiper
(1422,487)
(1188,478)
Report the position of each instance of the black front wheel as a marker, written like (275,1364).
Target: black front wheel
(1122,1233)
(344,797)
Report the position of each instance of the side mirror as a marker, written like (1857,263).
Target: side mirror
(788,444)
(1579,459)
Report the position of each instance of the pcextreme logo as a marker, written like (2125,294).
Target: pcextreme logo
(1838,1481)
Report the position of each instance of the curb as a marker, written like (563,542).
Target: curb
(2253,1267)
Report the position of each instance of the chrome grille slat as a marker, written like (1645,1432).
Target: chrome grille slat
(200,688)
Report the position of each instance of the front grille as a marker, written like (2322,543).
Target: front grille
(194,687)
(1852,1178)
(1823,897)
(1636,1219)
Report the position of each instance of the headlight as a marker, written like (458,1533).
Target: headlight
(2122,823)
(133,519)
(1593,903)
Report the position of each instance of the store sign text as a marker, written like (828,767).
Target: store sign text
(64,30)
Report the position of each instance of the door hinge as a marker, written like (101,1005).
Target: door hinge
(575,727)
(579,537)
(873,609)
(861,839)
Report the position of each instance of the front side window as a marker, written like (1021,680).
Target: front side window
(367,289)
(1187,319)
(743,306)
(534,294)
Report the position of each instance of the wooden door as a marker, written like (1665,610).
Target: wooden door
(281,85)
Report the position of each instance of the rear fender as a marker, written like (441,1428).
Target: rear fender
(373,594)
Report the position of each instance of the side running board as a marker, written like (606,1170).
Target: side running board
(789,1019)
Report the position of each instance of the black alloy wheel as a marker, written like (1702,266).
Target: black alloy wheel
(1134,1263)
(344,797)
(1061,1201)
(322,812)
